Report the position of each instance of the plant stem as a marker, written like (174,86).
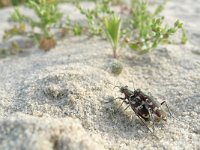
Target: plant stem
(46,32)
(115,52)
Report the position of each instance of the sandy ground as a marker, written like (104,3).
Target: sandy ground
(58,100)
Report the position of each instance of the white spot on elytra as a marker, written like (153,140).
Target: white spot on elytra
(156,108)
(139,107)
(132,102)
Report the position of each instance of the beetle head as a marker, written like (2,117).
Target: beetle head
(123,89)
(137,92)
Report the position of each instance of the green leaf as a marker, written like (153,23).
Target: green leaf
(184,37)
(134,46)
(113,29)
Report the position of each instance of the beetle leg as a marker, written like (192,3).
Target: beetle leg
(124,101)
(164,102)
(122,98)
(127,107)
(120,105)
(171,113)
(146,125)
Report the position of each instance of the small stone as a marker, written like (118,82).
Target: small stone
(140,131)
(185,113)
(193,113)
(116,67)
(38,113)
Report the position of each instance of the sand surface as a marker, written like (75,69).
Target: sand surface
(58,100)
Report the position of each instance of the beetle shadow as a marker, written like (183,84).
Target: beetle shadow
(122,123)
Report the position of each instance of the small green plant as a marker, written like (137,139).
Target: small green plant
(18,2)
(142,31)
(4,3)
(16,30)
(96,15)
(48,14)
(160,8)
(113,30)
(158,34)
(184,37)
(148,30)
(118,2)
(142,18)
(78,29)
(74,27)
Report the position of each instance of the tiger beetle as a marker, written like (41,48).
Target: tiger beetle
(143,105)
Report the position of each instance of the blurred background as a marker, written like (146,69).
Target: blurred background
(5,3)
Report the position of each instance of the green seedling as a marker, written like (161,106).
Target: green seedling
(4,3)
(18,2)
(160,7)
(16,30)
(158,34)
(12,48)
(184,37)
(48,14)
(149,31)
(74,27)
(78,29)
(113,30)
(141,18)
(118,2)
(96,15)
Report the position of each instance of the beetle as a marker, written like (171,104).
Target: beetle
(153,106)
(143,105)
(141,102)
(136,104)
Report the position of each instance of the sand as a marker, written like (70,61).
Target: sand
(63,99)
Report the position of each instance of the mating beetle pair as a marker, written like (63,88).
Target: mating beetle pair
(143,105)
